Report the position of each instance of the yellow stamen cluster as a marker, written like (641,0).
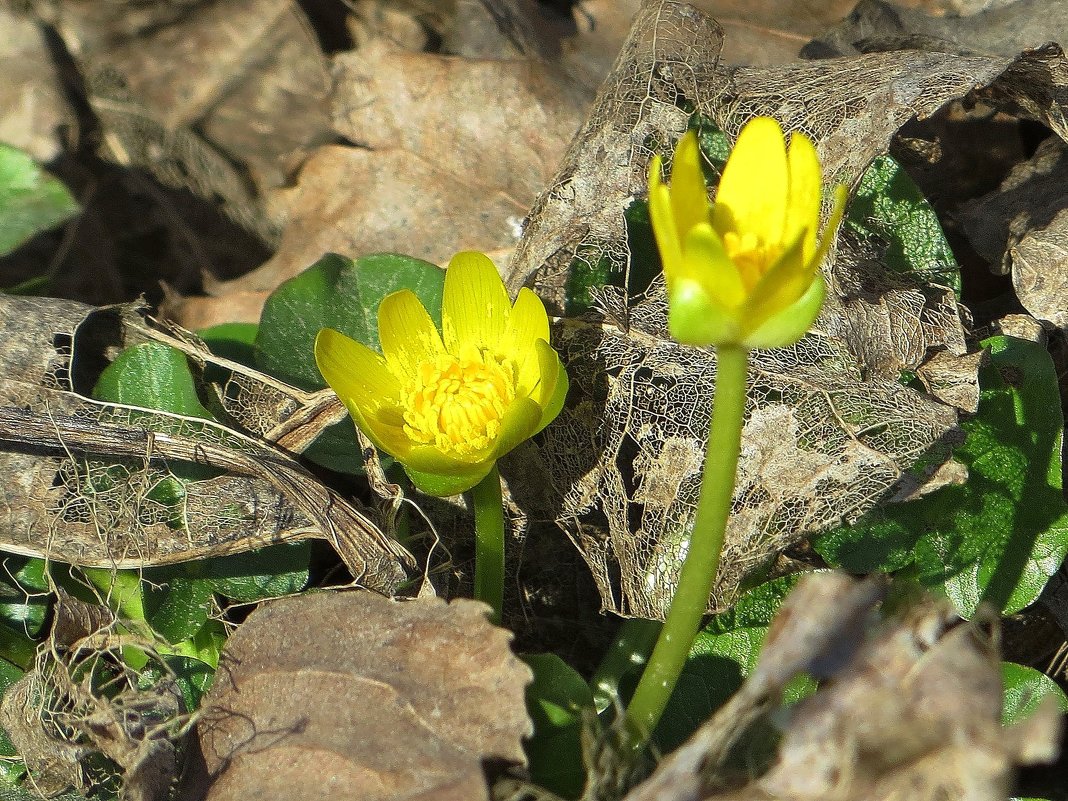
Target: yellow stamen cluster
(751,256)
(456,404)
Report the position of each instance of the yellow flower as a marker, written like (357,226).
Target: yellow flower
(743,271)
(448,404)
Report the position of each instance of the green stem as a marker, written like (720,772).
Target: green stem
(121,589)
(698,573)
(489,542)
(629,651)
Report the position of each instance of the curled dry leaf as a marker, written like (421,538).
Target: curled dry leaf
(355,696)
(79,475)
(63,721)
(1027,200)
(914,710)
(771,31)
(1040,271)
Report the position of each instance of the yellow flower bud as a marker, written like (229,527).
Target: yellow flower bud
(743,271)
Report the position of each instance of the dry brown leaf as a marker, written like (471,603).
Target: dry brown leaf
(998,29)
(355,696)
(913,711)
(1027,200)
(223,99)
(1040,271)
(32,105)
(442,167)
(771,31)
(74,732)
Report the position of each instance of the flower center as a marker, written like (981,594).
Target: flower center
(456,403)
(751,255)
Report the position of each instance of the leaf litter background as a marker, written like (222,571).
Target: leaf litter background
(221,148)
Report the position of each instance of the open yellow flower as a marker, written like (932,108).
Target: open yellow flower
(743,271)
(448,404)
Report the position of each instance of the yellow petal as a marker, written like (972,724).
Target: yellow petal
(407,333)
(803,209)
(663,220)
(752,193)
(519,423)
(527,321)
(706,262)
(355,372)
(475,306)
(553,387)
(784,282)
(528,324)
(368,389)
(841,195)
(689,195)
(790,324)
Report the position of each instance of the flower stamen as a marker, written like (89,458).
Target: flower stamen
(750,255)
(456,404)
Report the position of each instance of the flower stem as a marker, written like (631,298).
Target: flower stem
(489,542)
(698,573)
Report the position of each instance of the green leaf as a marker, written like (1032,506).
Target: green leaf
(233,341)
(156,376)
(556,701)
(264,573)
(153,376)
(30,572)
(342,294)
(1000,536)
(889,207)
(206,645)
(177,606)
(31,200)
(1025,689)
(178,598)
(723,655)
(193,677)
(9,674)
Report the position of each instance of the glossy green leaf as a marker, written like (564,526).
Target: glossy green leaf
(556,701)
(342,294)
(1001,535)
(156,376)
(193,677)
(244,577)
(233,341)
(889,207)
(177,606)
(21,612)
(724,653)
(1025,689)
(31,200)
(265,573)
(29,572)
(153,376)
